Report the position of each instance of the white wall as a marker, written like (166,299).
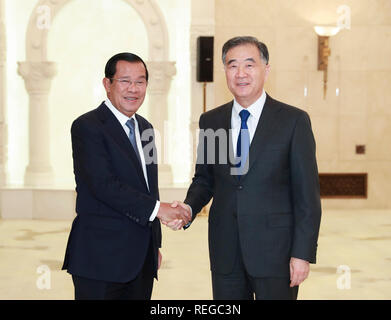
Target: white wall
(177,15)
(81,38)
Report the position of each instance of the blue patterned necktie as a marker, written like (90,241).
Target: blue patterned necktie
(132,136)
(243,145)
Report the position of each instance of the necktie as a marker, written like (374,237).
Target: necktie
(243,145)
(132,136)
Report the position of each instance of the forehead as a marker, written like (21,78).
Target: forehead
(243,52)
(130,69)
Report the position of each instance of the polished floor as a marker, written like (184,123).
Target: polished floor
(354,259)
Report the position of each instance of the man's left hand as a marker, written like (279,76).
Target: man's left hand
(299,271)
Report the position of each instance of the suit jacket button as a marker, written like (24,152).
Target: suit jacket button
(240,187)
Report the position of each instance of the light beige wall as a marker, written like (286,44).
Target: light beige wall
(359,66)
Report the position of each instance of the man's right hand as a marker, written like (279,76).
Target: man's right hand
(167,213)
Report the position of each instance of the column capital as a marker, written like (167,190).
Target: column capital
(37,75)
(161,73)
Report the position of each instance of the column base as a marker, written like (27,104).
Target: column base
(43,177)
(3,177)
(165,175)
(37,203)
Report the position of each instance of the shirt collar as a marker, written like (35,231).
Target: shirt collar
(119,115)
(255,109)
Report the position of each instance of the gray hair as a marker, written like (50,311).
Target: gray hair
(238,41)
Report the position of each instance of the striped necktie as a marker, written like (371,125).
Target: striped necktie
(132,136)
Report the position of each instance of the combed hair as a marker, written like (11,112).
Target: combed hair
(243,40)
(111,65)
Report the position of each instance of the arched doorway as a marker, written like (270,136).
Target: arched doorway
(38,73)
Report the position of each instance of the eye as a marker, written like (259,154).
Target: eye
(124,81)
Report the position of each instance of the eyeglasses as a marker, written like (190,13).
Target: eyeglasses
(126,82)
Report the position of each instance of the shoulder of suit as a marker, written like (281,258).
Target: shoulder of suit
(286,108)
(91,117)
(217,111)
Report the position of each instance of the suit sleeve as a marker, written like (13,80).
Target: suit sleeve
(92,164)
(201,189)
(305,191)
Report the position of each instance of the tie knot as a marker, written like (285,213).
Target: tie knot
(130,124)
(244,114)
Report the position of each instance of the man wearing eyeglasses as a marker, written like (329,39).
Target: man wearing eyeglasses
(113,247)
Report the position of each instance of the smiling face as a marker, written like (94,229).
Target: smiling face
(128,88)
(246,73)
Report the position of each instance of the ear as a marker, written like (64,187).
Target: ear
(267,71)
(107,84)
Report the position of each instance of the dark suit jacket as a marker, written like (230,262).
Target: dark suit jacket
(273,212)
(111,233)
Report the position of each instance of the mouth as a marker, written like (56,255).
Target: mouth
(130,98)
(242,84)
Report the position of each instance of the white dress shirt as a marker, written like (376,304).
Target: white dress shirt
(122,120)
(252,122)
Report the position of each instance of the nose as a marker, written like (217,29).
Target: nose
(241,72)
(132,86)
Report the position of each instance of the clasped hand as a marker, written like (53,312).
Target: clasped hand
(174,215)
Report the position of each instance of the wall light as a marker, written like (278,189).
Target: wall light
(324,32)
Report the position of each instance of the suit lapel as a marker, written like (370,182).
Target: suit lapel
(227,126)
(149,150)
(264,128)
(118,134)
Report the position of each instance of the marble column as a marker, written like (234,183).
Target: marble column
(3,99)
(161,73)
(38,77)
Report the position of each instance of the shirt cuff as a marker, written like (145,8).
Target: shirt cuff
(155,211)
(189,223)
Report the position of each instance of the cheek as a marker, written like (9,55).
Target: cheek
(143,92)
(230,80)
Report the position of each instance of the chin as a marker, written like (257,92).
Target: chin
(243,92)
(242,95)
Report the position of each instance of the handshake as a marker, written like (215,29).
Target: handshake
(174,215)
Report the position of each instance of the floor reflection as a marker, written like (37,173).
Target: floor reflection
(354,249)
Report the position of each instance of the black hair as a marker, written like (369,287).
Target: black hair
(111,65)
(237,41)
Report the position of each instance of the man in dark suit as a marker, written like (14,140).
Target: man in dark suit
(262,175)
(113,247)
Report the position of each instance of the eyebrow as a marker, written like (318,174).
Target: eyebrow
(138,78)
(234,60)
(250,59)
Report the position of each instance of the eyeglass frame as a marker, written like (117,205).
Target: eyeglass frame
(138,83)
